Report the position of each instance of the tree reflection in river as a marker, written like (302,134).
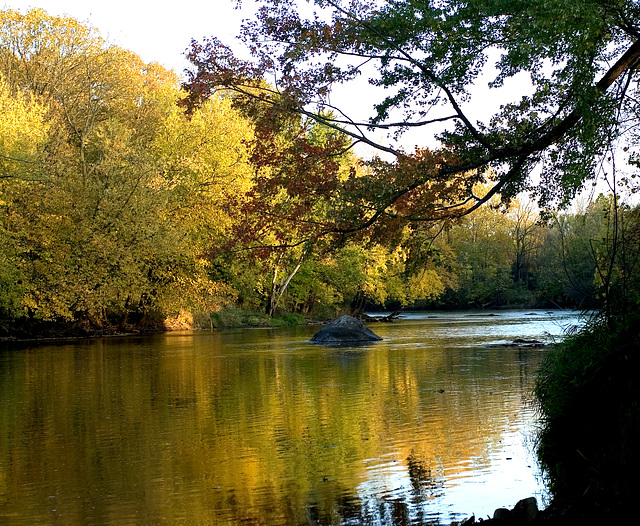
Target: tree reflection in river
(261,427)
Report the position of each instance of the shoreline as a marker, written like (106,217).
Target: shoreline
(47,331)
(526,512)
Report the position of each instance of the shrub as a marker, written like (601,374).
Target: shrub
(588,392)
(288,319)
(227,318)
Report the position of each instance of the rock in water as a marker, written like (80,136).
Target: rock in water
(346,330)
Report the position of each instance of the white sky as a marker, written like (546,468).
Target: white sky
(161,31)
(158,31)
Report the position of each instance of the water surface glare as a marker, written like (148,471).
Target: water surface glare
(259,426)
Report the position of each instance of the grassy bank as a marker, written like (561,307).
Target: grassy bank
(35,330)
(228,318)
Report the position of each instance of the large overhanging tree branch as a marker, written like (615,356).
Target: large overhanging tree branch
(426,61)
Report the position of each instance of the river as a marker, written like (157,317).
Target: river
(261,427)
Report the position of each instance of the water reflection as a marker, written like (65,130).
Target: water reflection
(259,427)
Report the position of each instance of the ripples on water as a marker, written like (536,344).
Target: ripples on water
(261,427)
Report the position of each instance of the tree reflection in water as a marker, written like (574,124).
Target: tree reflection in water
(257,427)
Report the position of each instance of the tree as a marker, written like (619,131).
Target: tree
(280,214)
(484,248)
(570,269)
(23,133)
(110,196)
(587,390)
(527,236)
(615,250)
(579,58)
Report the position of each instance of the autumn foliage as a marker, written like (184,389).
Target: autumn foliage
(128,199)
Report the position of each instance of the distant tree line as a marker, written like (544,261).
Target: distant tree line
(493,258)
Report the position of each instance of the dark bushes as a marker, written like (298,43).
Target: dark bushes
(588,393)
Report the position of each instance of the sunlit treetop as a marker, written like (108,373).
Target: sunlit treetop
(424,61)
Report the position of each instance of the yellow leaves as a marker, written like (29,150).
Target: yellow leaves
(202,294)
(134,192)
(210,145)
(427,285)
(381,272)
(206,161)
(397,275)
(23,130)
(41,52)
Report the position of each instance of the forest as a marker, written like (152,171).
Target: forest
(122,211)
(132,199)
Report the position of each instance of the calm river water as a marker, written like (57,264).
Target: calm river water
(260,427)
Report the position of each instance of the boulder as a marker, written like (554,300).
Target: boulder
(346,330)
(526,510)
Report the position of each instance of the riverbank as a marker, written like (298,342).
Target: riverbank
(28,330)
(584,513)
(41,330)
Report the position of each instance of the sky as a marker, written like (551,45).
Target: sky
(156,30)
(161,31)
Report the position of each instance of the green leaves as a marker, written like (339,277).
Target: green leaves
(425,63)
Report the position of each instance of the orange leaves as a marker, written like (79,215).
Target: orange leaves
(414,188)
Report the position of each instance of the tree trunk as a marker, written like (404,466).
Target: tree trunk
(278,290)
(357,304)
(271,304)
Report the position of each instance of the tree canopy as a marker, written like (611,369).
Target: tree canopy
(109,196)
(425,62)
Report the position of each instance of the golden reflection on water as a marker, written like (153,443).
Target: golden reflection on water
(260,427)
